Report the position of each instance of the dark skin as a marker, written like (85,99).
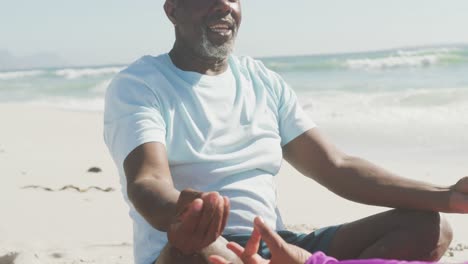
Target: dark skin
(151,190)
(189,17)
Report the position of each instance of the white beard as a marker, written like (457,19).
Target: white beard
(207,49)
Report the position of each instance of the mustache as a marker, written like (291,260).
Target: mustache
(226,19)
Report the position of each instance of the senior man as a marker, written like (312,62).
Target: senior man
(198,135)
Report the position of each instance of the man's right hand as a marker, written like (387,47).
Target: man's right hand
(200,219)
(281,252)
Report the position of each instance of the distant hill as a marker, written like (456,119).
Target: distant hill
(9,61)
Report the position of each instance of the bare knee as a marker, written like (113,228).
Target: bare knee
(432,232)
(445,237)
(432,226)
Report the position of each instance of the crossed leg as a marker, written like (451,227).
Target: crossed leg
(395,234)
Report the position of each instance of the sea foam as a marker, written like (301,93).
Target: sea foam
(11,75)
(408,58)
(393,62)
(87,72)
(444,106)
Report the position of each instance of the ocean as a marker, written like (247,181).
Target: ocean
(402,85)
(428,84)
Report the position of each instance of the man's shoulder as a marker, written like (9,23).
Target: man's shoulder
(144,66)
(247,62)
(147,72)
(251,66)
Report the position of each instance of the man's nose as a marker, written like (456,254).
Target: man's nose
(223,6)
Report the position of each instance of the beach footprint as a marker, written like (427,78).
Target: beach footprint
(20,258)
(8,258)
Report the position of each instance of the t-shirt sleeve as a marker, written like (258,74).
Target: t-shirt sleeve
(293,121)
(132,116)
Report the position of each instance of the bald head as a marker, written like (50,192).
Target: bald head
(171,2)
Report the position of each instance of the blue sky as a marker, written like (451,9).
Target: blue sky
(119,31)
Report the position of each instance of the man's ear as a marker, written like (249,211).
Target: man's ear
(169,8)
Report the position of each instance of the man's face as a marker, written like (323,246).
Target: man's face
(208,27)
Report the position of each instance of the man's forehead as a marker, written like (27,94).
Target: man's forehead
(192,2)
(178,1)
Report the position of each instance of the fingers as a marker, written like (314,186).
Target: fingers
(200,220)
(220,218)
(214,259)
(186,224)
(214,217)
(251,248)
(462,185)
(208,227)
(185,198)
(280,250)
(271,238)
(236,248)
(227,208)
(459,203)
(190,215)
(246,258)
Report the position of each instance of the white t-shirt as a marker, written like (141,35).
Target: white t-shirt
(222,133)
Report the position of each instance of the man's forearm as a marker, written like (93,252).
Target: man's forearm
(361,181)
(155,200)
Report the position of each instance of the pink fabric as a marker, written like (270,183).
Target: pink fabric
(321,258)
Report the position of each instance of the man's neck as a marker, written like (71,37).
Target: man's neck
(186,60)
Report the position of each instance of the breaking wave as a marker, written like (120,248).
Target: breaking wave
(11,75)
(87,72)
(380,60)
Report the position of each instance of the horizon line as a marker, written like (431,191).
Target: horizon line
(101,65)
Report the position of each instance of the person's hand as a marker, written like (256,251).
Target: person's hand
(458,202)
(200,219)
(281,252)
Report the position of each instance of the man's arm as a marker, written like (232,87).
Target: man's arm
(187,214)
(149,185)
(361,181)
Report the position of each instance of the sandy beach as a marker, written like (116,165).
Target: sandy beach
(54,210)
